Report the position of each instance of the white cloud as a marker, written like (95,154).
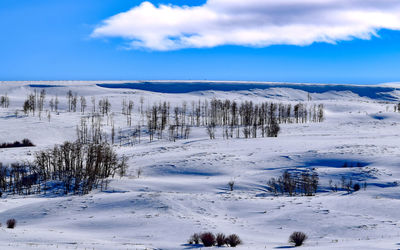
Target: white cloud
(256,23)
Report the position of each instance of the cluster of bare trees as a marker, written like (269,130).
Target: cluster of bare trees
(247,113)
(4,101)
(34,102)
(80,167)
(159,119)
(18,179)
(72,101)
(127,108)
(104,106)
(53,103)
(90,130)
(305,183)
(72,167)
(247,117)
(30,104)
(346,184)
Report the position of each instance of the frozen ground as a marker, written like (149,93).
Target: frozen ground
(183,188)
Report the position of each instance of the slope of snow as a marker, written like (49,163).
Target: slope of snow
(184,185)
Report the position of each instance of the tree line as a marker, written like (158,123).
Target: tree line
(162,120)
(245,118)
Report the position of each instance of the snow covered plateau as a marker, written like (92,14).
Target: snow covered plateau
(172,189)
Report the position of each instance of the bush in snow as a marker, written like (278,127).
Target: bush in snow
(233,240)
(221,239)
(356,187)
(231,184)
(194,239)
(297,238)
(11,223)
(208,239)
(273,127)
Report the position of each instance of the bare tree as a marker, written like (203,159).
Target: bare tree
(4,101)
(69,97)
(83,104)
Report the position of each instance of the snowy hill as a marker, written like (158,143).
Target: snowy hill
(173,189)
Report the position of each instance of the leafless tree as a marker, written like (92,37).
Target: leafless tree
(83,104)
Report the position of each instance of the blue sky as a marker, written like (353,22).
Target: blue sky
(57,40)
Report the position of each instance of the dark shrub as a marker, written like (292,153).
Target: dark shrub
(233,240)
(27,142)
(221,239)
(11,223)
(208,239)
(356,187)
(16,144)
(194,239)
(297,238)
(231,184)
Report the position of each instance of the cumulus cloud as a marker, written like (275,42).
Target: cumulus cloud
(256,23)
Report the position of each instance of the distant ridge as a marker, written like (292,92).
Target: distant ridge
(384,91)
(371,91)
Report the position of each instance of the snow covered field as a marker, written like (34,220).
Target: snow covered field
(183,188)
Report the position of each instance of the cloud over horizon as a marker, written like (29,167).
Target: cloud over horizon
(255,23)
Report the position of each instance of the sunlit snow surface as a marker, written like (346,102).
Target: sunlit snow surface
(184,185)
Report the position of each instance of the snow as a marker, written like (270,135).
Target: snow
(183,188)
